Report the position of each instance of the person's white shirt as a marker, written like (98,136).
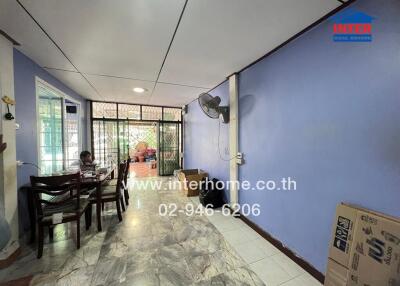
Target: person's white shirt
(79,164)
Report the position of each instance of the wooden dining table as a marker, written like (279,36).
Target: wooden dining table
(97,182)
(90,183)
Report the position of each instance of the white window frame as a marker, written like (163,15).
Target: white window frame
(63,96)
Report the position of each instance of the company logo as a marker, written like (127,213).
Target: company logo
(352,26)
(376,249)
(342,233)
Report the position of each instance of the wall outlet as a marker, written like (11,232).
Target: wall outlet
(239,158)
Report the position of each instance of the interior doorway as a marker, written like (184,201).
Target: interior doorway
(138,140)
(150,135)
(169,143)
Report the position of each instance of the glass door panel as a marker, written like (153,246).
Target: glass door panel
(105,141)
(169,147)
(123,129)
(142,132)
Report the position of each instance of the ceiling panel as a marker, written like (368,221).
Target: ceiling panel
(174,95)
(76,82)
(34,43)
(120,89)
(126,38)
(218,38)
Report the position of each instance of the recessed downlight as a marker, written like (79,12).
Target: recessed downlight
(139,89)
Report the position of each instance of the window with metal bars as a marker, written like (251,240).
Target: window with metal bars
(104,110)
(128,111)
(59,131)
(172,114)
(151,113)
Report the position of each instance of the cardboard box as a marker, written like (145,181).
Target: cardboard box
(187,177)
(336,274)
(365,248)
(342,234)
(375,253)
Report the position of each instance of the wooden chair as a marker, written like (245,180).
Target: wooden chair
(112,193)
(59,194)
(125,197)
(126,193)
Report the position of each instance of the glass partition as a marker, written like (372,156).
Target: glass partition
(104,110)
(120,130)
(151,113)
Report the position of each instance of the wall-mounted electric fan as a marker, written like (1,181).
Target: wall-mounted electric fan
(210,105)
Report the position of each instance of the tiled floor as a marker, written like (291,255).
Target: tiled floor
(271,265)
(149,249)
(143,169)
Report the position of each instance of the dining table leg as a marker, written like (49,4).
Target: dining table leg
(32,214)
(98,206)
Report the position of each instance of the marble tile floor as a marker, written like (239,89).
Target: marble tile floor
(271,265)
(149,249)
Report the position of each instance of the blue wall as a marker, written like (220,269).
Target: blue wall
(327,115)
(25,71)
(201,139)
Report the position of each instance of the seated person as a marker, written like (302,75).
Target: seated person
(86,158)
(85,163)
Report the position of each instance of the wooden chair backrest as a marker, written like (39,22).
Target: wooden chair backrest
(59,190)
(128,162)
(121,175)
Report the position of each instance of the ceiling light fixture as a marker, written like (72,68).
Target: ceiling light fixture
(139,89)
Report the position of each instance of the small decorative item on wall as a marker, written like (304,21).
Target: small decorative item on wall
(9,102)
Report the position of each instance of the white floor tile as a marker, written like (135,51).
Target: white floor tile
(311,281)
(266,247)
(251,233)
(236,236)
(195,200)
(227,224)
(249,252)
(288,265)
(303,280)
(217,217)
(270,272)
(268,262)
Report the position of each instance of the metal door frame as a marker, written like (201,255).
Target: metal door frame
(118,120)
(161,144)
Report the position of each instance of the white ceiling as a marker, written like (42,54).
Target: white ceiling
(109,47)
(77,82)
(120,89)
(217,38)
(34,43)
(175,95)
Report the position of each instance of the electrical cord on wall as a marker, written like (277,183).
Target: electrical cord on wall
(27,163)
(219,149)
